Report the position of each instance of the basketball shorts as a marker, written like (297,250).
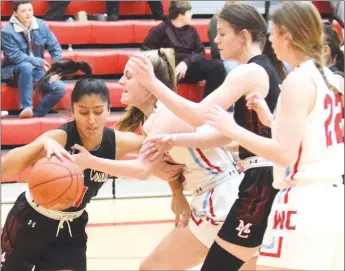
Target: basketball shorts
(246,222)
(305,229)
(210,208)
(29,239)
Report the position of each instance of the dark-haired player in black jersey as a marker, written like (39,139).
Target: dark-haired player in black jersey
(242,36)
(56,240)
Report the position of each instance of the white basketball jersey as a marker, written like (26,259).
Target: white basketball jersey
(321,153)
(201,165)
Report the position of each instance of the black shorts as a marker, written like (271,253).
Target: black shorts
(29,239)
(246,222)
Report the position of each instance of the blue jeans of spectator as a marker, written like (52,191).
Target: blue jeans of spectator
(24,75)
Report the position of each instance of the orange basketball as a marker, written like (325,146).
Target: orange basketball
(55,184)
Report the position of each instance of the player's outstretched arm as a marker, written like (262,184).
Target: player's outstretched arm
(48,144)
(205,139)
(240,81)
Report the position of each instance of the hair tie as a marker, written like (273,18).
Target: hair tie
(163,56)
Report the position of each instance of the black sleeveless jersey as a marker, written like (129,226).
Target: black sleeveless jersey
(248,119)
(93,180)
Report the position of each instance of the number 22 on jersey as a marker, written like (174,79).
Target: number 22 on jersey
(333,124)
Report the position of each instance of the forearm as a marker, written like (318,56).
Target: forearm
(205,140)
(192,113)
(20,158)
(121,168)
(176,186)
(263,147)
(268,120)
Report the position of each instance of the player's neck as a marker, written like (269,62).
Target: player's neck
(297,59)
(91,145)
(247,55)
(147,108)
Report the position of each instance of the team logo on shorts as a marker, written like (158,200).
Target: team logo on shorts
(243,230)
(3,257)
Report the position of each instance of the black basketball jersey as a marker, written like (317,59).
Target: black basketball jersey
(248,119)
(93,180)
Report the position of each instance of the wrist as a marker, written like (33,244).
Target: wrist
(177,192)
(233,131)
(152,83)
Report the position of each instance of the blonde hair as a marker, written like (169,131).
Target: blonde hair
(303,21)
(163,61)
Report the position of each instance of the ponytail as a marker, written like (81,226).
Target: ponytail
(168,55)
(319,66)
(64,68)
(278,65)
(131,121)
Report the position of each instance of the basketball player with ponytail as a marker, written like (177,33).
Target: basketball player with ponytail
(305,228)
(47,242)
(242,35)
(209,174)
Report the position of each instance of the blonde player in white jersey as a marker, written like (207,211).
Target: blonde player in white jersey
(213,178)
(211,175)
(306,225)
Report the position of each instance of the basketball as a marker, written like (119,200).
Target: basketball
(55,184)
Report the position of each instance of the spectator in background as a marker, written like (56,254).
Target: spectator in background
(177,33)
(57,10)
(212,33)
(333,56)
(24,40)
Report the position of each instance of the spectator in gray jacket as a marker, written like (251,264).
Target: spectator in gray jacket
(24,40)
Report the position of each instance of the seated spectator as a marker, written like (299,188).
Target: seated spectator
(177,33)
(212,33)
(24,40)
(57,10)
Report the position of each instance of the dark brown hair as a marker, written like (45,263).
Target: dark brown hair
(333,41)
(85,86)
(16,4)
(178,7)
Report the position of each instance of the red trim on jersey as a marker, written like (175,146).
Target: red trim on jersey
(214,223)
(203,157)
(295,167)
(80,200)
(278,253)
(211,203)
(286,196)
(195,221)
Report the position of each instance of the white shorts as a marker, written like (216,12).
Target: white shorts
(305,229)
(210,209)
